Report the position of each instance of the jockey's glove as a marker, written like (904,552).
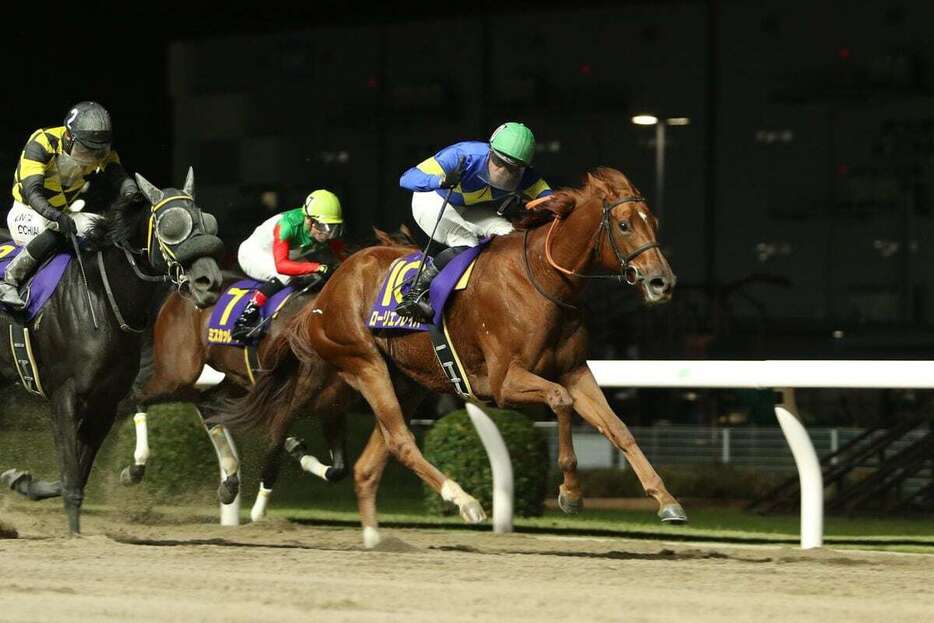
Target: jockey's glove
(453,178)
(128,187)
(323,268)
(450,180)
(66,224)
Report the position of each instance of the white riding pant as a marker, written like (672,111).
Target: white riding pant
(459,226)
(258,263)
(25,223)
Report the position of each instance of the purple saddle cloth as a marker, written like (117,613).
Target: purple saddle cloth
(231,304)
(398,280)
(42,285)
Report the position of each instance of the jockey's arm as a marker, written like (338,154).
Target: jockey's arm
(429,174)
(33,165)
(285,266)
(534,186)
(117,176)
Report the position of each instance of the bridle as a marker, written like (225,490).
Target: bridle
(628,272)
(175,272)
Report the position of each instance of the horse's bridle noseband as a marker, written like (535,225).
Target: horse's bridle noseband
(626,267)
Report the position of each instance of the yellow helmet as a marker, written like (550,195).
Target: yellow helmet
(323,206)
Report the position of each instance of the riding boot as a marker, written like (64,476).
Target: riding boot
(245,329)
(23,265)
(17,272)
(414,303)
(248,320)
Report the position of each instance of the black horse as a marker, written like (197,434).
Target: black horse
(140,243)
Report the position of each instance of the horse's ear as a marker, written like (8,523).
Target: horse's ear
(189,188)
(599,185)
(153,194)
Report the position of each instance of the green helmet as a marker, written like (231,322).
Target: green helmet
(514,143)
(323,206)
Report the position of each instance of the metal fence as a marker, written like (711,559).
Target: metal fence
(748,446)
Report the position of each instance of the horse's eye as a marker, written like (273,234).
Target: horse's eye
(624,226)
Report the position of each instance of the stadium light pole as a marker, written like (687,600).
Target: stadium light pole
(660,144)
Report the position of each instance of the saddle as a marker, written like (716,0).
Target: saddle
(230,306)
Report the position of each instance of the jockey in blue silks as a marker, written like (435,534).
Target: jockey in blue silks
(480,176)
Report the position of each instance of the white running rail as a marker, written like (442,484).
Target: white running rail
(784,376)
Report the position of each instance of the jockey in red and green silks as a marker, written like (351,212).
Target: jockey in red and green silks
(275,250)
(480,176)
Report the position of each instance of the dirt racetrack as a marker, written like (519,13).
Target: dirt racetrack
(279,572)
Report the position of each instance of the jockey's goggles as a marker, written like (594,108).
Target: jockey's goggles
(88,156)
(505,161)
(331,230)
(503,174)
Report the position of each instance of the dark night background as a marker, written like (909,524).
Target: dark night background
(798,208)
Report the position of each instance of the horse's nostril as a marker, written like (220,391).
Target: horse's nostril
(659,285)
(203,282)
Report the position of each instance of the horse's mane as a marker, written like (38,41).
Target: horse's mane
(119,223)
(603,182)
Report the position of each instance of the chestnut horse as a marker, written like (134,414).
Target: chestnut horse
(517,327)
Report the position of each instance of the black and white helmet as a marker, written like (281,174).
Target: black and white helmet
(88,123)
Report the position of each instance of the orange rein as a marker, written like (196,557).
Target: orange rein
(531,205)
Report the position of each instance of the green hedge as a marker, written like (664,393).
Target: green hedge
(182,466)
(454,447)
(713,481)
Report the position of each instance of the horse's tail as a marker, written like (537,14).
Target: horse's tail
(269,402)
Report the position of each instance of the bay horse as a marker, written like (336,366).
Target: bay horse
(518,328)
(180,351)
(140,243)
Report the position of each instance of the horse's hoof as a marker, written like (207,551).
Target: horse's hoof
(672,513)
(132,475)
(227,491)
(335,474)
(371,537)
(570,504)
(11,477)
(472,512)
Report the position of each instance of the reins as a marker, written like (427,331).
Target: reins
(178,279)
